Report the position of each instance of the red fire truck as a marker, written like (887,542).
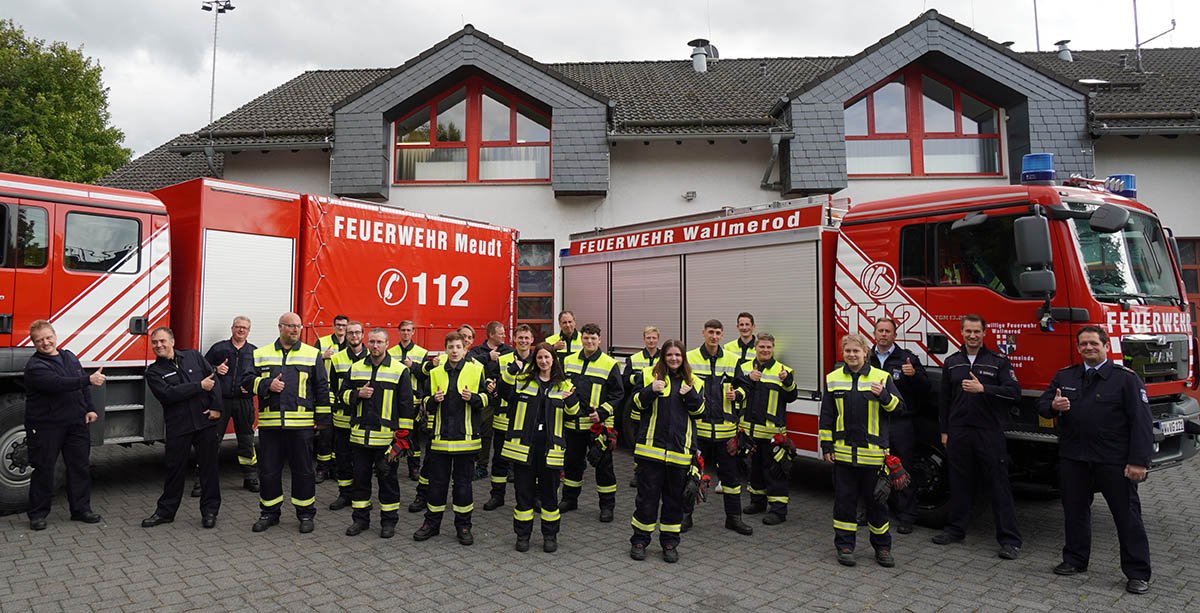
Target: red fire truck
(1037,261)
(105,266)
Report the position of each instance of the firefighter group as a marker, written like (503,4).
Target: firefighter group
(369,403)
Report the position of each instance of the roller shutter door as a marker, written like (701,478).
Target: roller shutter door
(645,292)
(777,283)
(585,293)
(262,290)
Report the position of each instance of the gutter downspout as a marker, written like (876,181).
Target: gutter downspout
(209,154)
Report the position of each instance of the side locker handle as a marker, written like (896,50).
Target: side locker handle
(6,321)
(138,326)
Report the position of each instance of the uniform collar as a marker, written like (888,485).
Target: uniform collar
(769,363)
(595,356)
(850,373)
(884,355)
(1104,369)
(707,356)
(387,360)
(357,356)
(746,345)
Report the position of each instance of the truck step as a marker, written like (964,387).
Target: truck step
(124,378)
(121,440)
(113,408)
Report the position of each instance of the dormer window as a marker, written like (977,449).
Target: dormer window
(475,132)
(916,123)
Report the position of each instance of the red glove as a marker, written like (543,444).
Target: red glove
(399,446)
(731,446)
(597,428)
(899,477)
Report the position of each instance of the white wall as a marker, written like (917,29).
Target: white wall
(1168,175)
(305,171)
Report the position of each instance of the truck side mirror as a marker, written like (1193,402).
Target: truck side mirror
(1037,283)
(1108,218)
(1032,235)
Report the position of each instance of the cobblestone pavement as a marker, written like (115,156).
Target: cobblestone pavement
(119,565)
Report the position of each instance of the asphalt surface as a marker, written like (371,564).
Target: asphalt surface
(117,564)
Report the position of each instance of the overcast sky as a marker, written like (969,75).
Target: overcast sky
(157,54)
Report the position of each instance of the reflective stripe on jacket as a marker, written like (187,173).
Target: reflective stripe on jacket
(455,421)
(717,371)
(665,432)
(538,410)
(339,369)
(597,380)
(374,420)
(304,400)
(766,400)
(852,426)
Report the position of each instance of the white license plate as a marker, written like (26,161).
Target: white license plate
(1174,426)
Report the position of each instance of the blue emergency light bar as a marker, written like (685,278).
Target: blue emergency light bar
(1130,185)
(1037,169)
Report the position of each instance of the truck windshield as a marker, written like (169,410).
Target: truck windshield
(1133,263)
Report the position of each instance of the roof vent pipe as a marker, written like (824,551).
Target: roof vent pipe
(1064,53)
(701,52)
(1123,60)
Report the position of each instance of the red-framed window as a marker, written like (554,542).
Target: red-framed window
(916,123)
(535,287)
(474,132)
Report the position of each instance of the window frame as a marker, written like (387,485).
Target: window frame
(1192,266)
(538,322)
(19,249)
(472,131)
(137,246)
(914,110)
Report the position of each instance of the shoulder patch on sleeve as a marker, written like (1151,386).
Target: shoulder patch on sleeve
(1145,398)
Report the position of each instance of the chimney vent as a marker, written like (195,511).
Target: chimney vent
(702,51)
(1123,60)
(1064,53)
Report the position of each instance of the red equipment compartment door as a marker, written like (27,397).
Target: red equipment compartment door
(34,265)
(102,282)
(8,262)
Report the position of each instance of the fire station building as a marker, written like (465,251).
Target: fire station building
(473,128)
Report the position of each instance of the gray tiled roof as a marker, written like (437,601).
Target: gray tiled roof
(1169,87)
(668,97)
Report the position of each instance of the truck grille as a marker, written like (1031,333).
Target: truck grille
(1156,358)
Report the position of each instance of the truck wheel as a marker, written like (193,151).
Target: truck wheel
(929,476)
(15,470)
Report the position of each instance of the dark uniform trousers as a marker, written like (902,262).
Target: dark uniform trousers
(501,468)
(343,460)
(324,447)
(717,458)
(902,439)
(851,484)
(366,459)
(295,447)
(575,464)
(205,441)
(242,412)
(442,467)
(1080,480)
(45,443)
(423,473)
(765,487)
(973,452)
(658,483)
(536,487)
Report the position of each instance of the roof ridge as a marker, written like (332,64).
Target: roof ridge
(688,61)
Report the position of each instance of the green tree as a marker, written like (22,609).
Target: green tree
(54,111)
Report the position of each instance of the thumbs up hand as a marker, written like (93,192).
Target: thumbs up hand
(328,353)
(1060,402)
(908,368)
(876,388)
(97,378)
(684,389)
(439,396)
(658,385)
(366,391)
(223,367)
(466,393)
(207,383)
(277,383)
(972,385)
(755,375)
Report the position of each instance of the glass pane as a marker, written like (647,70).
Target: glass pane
(452,117)
(966,155)
(1190,281)
(983,255)
(535,281)
(913,271)
(496,120)
(938,103)
(6,255)
(856,118)
(415,129)
(890,117)
(99,243)
(443,164)
(1131,262)
(33,237)
(977,117)
(1187,252)
(535,254)
(535,307)
(878,157)
(532,126)
(514,163)
(540,331)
